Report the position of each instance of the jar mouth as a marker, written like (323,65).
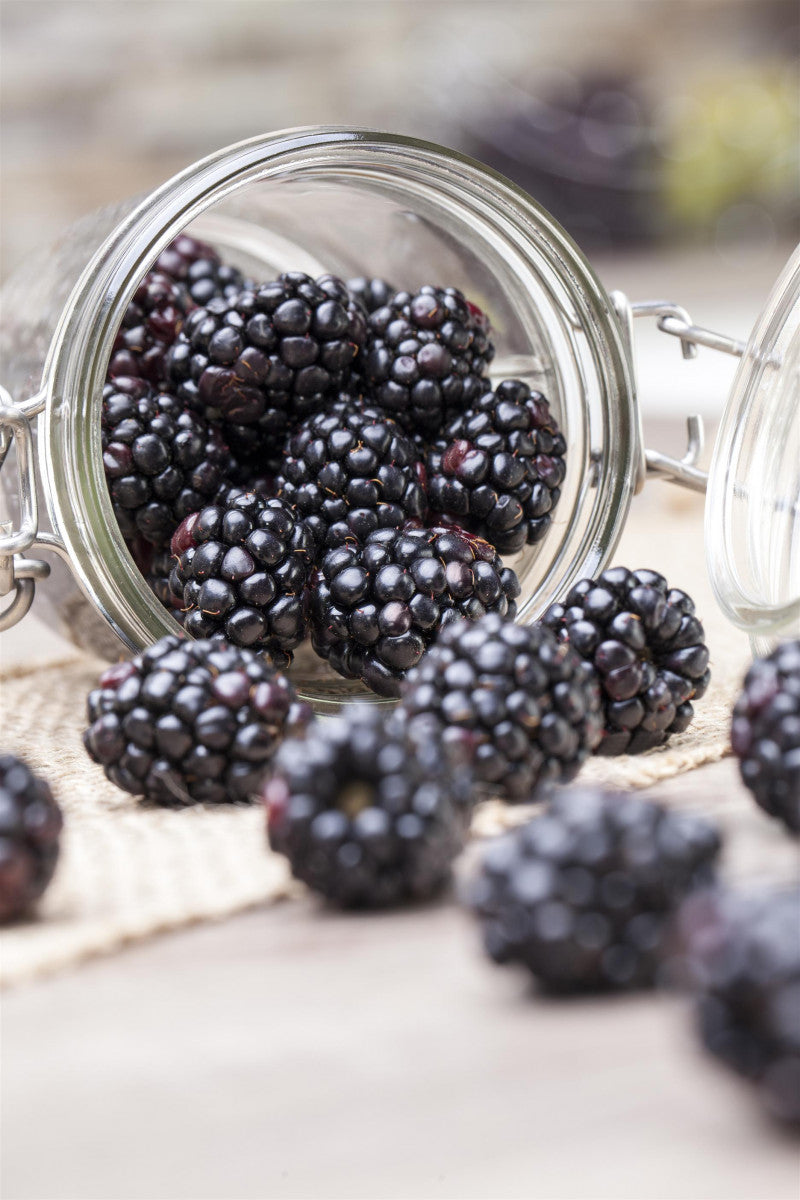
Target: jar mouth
(556,308)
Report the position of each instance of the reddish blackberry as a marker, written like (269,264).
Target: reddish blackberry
(584,895)
(376,608)
(526,707)
(349,471)
(743,955)
(190,722)
(30,827)
(161,462)
(426,357)
(363,817)
(765,733)
(371,293)
(199,267)
(152,322)
(499,468)
(646,645)
(242,571)
(267,357)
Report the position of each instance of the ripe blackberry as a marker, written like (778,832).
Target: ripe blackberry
(584,895)
(743,955)
(376,608)
(267,357)
(190,722)
(527,707)
(199,267)
(363,817)
(426,357)
(161,462)
(349,471)
(242,571)
(371,293)
(30,827)
(499,467)
(646,645)
(157,578)
(765,733)
(152,322)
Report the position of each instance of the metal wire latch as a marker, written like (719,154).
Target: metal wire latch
(18,575)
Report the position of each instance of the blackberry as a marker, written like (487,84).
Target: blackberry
(190,722)
(152,322)
(241,570)
(585,894)
(161,462)
(526,706)
(30,827)
(267,357)
(646,645)
(765,733)
(371,293)
(363,817)
(376,608)
(349,471)
(499,468)
(743,954)
(200,269)
(157,578)
(426,357)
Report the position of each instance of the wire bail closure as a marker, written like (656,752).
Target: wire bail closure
(18,575)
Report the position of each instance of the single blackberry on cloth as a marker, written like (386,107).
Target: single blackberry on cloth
(426,357)
(741,952)
(151,323)
(200,269)
(499,467)
(30,828)
(375,608)
(349,471)
(526,706)
(584,895)
(161,462)
(241,570)
(365,818)
(261,360)
(371,293)
(646,645)
(190,722)
(765,733)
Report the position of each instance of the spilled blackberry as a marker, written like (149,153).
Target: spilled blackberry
(526,706)
(265,358)
(363,817)
(765,733)
(499,467)
(646,645)
(584,895)
(426,357)
(191,722)
(161,462)
(199,267)
(30,827)
(349,471)
(242,571)
(152,322)
(743,955)
(376,608)
(371,293)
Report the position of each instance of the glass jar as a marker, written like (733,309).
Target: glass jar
(319,199)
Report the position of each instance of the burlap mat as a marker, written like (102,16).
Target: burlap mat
(128,872)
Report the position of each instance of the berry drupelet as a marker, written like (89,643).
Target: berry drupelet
(200,269)
(152,322)
(349,471)
(584,895)
(742,951)
(765,733)
(371,293)
(157,576)
(364,818)
(526,706)
(241,570)
(426,357)
(30,827)
(161,462)
(646,645)
(376,608)
(499,467)
(191,722)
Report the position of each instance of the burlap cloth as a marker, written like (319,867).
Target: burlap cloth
(128,872)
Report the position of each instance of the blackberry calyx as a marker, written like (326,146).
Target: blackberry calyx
(30,828)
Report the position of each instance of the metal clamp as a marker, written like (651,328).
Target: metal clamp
(18,575)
